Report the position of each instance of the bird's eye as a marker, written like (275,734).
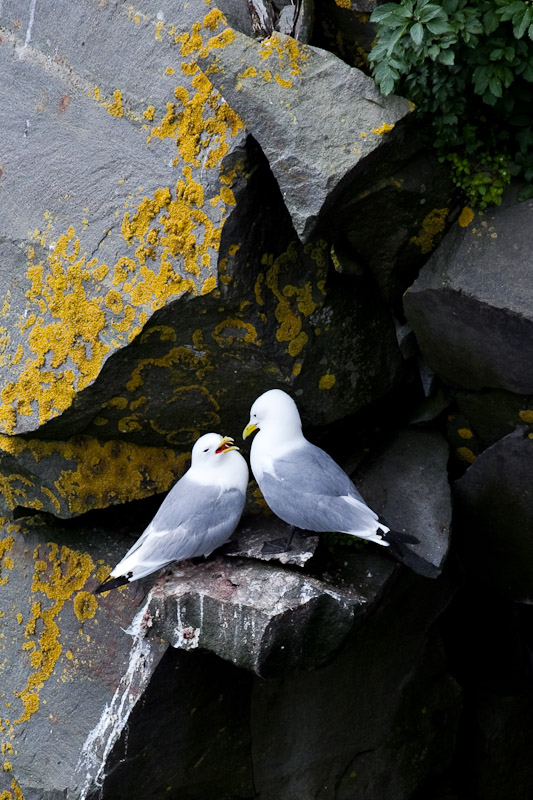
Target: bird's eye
(206,450)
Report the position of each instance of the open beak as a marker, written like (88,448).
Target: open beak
(226,445)
(250,428)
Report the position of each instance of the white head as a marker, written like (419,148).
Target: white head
(215,459)
(275,413)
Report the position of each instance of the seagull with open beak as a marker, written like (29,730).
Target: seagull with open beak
(198,515)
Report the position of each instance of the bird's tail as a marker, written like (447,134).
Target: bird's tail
(111,583)
(398,537)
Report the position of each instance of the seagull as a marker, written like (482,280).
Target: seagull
(198,515)
(301,483)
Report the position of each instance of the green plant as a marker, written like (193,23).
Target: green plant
(468,67)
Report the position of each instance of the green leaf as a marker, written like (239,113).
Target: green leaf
(439,26)
(430,12)
(384,12)
(417,33)
(524,24)
(447,57)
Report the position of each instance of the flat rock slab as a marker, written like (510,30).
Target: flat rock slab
(253,532)
(472,305)
(494,504)
(258,616)
(408,485)
(318,121)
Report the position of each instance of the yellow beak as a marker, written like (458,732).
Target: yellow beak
(226,445)
(250,428)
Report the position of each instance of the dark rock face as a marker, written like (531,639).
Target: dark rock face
(471,282)
(189,216)
(496,507)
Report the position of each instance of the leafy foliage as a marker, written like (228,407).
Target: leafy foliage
(468,67)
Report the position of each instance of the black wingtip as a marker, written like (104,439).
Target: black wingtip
(111,583)
(398,537)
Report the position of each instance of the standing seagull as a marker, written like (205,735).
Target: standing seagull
(198,515)
(301,483)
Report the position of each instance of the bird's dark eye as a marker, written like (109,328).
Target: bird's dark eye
(206,450)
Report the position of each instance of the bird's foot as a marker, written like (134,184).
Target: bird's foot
(276,546)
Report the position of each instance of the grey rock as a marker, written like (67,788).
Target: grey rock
(254,531)
(495,413)
(408,486)
(64,656)
(275,86)
(471,307)
(332,733)
(260,617)
(495,514)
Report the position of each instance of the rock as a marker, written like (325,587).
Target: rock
(471,307)
(408,486)
(63,653)
(495,513)
(82,474)
(498,753)
(370,723)
(132,319)
(343,27)
(254,531)
(493,414)
(314,151)
(260,617)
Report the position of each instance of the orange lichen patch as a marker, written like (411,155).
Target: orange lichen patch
(85,605)
(327,381)
(466,216)
(230,330)
(66,573)
(385,128)
(287,53)
(172,360)
(433,224)
(5,546)
(465,454)
(102,473)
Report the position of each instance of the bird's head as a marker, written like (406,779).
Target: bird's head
(275,412)
(210,448)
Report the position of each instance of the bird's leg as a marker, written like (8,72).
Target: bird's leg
(279,545)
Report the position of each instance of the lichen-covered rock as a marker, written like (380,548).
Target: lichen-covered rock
(408,485)
(471,307)
(142,287)
(493,414)
(319,122)
(62,652)
(72,477)
(495,515)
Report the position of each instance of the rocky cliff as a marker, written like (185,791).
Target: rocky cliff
(199,203)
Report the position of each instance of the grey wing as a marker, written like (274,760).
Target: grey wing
(309,490)
(317,473)
(192,521)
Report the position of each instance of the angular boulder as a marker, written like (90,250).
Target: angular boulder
(471,307)
(319,122)
(495,516)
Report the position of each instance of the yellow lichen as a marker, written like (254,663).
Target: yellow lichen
(85,605)
(466,217)
(465,454)
(433,224)
(67,574)
(465,433)
(526,415)
(385,128)
(327,381)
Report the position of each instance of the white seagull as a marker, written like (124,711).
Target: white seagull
(198,515)
(301,483)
